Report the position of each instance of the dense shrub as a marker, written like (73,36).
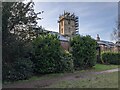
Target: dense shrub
(111,58)
(21,69)
(47,54)
(67,62)
(6,72)
(83,51)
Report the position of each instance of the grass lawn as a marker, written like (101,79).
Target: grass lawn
(41,77)
(109,80)
(97,67)
(101,67)
(102,79)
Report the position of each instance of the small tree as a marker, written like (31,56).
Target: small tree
(83,51)
(19,25)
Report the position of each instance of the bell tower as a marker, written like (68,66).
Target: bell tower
(68,24)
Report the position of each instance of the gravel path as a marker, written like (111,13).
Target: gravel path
(46,82)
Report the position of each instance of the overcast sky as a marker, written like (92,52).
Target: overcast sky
(94,18)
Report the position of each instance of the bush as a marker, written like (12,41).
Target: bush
(23,67)
(111,58)
(19,70)
(67,62)
(83,51)
(47,54)
(6,72)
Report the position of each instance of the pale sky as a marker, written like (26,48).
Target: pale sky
(94,17)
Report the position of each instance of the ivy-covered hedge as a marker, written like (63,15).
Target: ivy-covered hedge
(111,58)
(83,51)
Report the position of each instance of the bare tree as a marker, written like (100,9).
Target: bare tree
(116,34)
(116,31)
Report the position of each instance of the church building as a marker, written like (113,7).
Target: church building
(69,26)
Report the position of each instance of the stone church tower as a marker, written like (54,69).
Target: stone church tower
(68,24)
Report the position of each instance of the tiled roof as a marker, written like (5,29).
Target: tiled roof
(61,37)
(107,43)
(117,43)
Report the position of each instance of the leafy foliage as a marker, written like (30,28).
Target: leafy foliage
(67,62)
(83,51)
(19,27)
(111,58)
(19,70)
(47,52)
(23,20)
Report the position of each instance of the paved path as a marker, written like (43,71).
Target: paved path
(108,71)
(46,82)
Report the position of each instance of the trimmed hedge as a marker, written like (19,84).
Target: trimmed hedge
(83,51)
(111,58)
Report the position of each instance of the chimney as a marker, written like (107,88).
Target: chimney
(98,38)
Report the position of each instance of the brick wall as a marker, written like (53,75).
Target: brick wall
(65,45)
(112,49)
(117,49)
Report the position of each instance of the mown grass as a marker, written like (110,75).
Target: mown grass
(38,77)
(102,67)
(108,80)
(97,67)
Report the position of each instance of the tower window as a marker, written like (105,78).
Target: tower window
(69,29)
(62,30)
(68,21)
(62,23)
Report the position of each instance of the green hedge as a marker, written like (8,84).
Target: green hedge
(47,54)
(83,51)
(19,70)
(111,58)
(67,62)
(49,57)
